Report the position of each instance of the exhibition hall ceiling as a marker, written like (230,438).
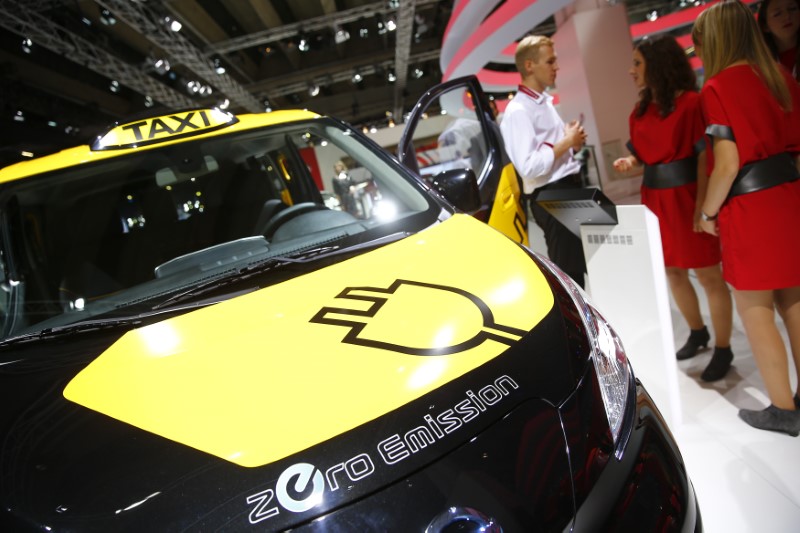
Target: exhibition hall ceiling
(71,67)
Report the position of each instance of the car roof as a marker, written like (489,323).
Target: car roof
(150,133)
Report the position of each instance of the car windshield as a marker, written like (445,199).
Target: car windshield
(104,238)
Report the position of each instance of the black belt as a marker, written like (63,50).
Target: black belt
(570,181)
(764,174)
(672,174)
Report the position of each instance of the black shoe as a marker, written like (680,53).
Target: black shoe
(719,365)
(698,338)
(773,419)
(796,401)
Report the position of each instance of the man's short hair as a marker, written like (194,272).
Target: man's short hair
(528,48)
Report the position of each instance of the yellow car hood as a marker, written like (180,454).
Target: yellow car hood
(262,376)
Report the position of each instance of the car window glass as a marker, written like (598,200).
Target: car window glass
(125,229)
(462,141)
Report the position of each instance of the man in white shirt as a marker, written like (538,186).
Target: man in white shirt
(542,148)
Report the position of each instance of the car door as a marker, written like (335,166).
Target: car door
(470,139)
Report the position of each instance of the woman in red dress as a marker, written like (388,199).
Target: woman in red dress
(666,128)
(779,21)
(752,111)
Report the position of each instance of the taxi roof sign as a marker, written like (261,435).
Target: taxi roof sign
(154,130)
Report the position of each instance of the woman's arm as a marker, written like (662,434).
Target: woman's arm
(702,188)
(726,166)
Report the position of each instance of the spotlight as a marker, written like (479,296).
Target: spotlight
(27,44)
(114,86)
(304,45)
(341,36)
(224,104)
(161,66)
(148,101)
(107,18)
(19,116)
(218,67)
(418,73)
(357,77)
(173,24)
(391,77)
(652,16)
(313,89)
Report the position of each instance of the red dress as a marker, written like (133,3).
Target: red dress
(658,140)
(788,58)
(758,230)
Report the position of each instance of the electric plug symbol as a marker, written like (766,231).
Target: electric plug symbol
(396,312)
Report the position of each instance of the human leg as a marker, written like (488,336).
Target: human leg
(788,303)
(756,308)
(721,307)
(686,299)
(563,247)
(685,296)
(720,303)
(758,316)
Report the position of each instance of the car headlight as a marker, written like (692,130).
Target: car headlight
(610,362)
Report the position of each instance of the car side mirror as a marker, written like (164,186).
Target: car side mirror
(460,187)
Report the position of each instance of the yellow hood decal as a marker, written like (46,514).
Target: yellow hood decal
(265,375)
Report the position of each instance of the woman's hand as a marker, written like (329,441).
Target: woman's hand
(710,226)
(696,221)
(624,164)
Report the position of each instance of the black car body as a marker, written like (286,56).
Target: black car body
(245,358)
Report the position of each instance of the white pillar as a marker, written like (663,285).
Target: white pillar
(594,48)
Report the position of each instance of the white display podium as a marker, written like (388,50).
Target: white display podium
(627,283)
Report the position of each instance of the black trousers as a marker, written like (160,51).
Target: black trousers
(563,247)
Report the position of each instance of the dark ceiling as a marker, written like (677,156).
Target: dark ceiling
(71,67)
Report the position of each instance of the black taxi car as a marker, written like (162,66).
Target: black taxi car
(194,340)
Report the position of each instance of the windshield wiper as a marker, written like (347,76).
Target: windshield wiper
(261,267)
(73,329)
(85,326)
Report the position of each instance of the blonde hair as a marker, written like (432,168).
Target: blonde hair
(727,32)
(528,48)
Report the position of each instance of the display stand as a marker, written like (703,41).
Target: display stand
(628,285)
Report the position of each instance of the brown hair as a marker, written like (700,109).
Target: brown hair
(727,32)
(528,48)
(666,72)
(770,39)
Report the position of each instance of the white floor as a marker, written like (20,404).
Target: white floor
(747,480)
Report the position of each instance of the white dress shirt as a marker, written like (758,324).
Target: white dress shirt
(530,127)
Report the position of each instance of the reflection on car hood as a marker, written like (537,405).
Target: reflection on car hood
(328,351)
